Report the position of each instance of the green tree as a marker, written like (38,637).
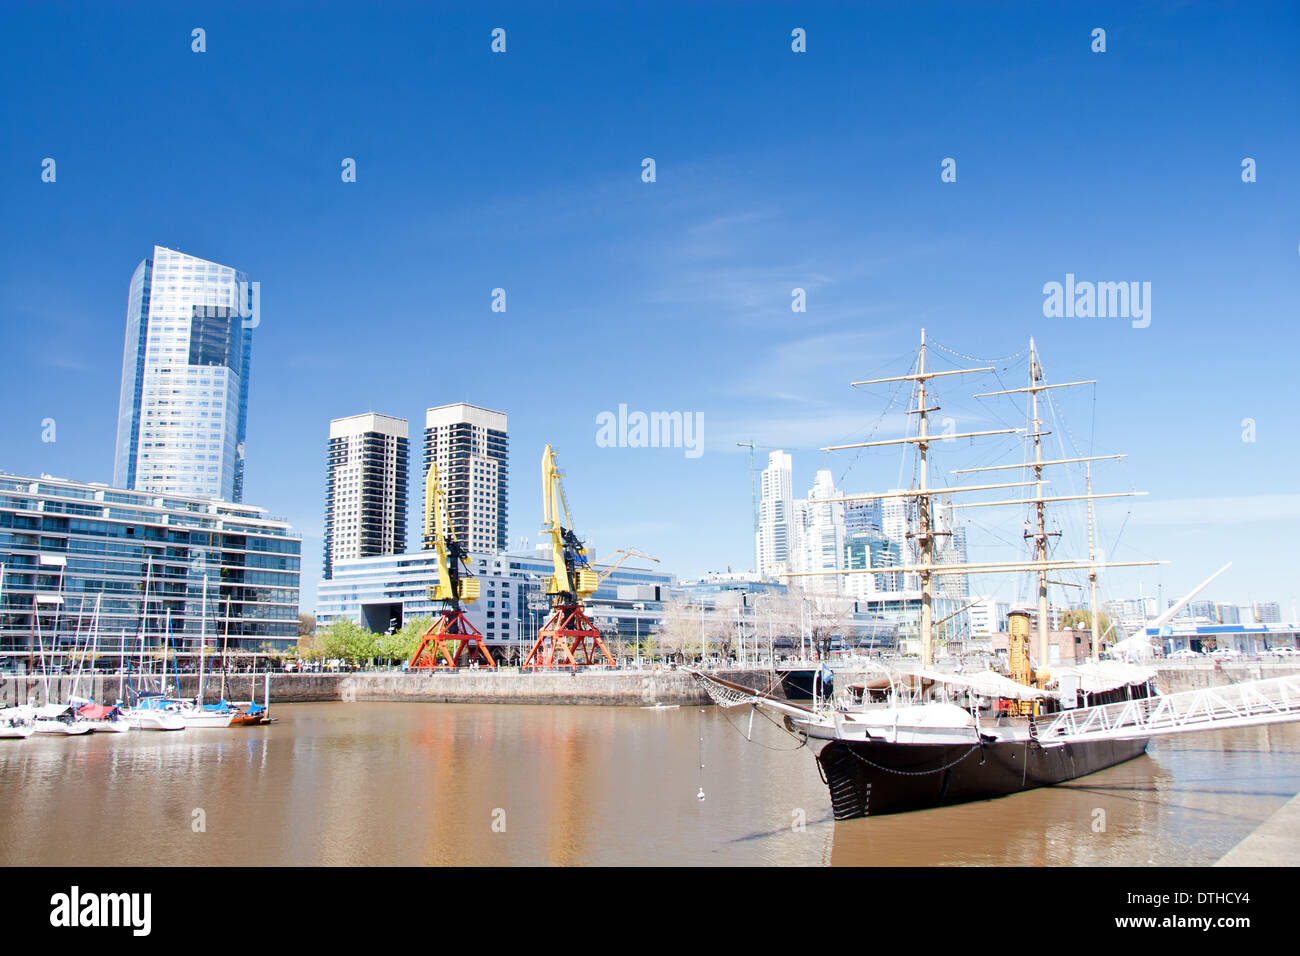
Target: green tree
(347,640)
(648,647)
(1082,619)
(402,645)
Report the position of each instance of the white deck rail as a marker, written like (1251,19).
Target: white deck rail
(1253,703)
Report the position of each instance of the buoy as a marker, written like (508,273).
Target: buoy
(700,795)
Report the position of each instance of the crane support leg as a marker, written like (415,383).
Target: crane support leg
(569,639)
(451,641)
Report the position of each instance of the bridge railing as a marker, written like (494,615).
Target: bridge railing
(1253,702)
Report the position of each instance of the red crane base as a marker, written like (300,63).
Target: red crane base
(449,639)
(566,636)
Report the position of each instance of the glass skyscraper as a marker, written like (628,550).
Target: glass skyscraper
(183,411)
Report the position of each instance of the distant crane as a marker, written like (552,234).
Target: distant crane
(451,640)
(568,633)
(627,553)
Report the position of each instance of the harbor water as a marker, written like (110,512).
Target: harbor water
(430,784)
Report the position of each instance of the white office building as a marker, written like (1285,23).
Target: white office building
(822,537)
(182,412)
(776,529)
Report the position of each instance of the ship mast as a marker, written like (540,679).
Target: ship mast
(925,567)
(1040,506)
(925,524)
(1092,574)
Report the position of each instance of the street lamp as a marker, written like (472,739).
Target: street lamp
(637,619)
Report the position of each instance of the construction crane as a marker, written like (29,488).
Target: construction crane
(627,553)
(451,641)
(568,632)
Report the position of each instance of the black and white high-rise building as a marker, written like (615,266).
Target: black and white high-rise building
(471,447)
(365,488)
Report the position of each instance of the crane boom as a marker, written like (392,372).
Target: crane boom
(568,633)
(454,586)
(627,553)
(574,578)
(451,640)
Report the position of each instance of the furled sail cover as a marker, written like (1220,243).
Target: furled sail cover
(1098,676)
(985,683)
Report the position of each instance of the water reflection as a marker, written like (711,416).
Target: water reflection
(413,784)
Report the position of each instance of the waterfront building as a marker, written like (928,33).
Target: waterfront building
(365,488)
(897,519)
(1227,614)
(1268,613)
(988,616)
(870,549)
(770,616)
(775,513)
(822,536)
(471,447)
(79,555)
(862,516)
(183,408)
(382,593)
(1252,638)
(950,548)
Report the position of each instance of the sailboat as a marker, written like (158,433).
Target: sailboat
(16,723)
(149,711)
(928,738)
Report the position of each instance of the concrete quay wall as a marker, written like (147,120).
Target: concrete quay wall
(472,686)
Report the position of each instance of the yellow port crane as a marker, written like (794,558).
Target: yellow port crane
(568,638)
(451,641)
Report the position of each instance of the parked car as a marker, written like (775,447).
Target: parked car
(1185,654)
(1284,651)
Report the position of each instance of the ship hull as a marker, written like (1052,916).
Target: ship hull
(869,778)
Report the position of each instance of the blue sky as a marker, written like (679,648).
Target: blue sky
(775,170)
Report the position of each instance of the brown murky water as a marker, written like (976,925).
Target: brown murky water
(376,784)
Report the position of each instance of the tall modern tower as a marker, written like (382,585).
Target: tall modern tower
(183,411)
(823,534)
(471,446)
(776,530)
(365,488)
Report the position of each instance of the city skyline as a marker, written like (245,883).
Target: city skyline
(697,267)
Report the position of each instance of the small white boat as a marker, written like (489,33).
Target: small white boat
(60,719)
(16,722)
(102,718)
(201,718)
(155,712)
(149,719)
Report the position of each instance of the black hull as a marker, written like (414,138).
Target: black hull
(873,777)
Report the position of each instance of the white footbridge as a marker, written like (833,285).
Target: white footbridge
(1275,700)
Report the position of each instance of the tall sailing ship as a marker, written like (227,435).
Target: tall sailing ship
(926,737)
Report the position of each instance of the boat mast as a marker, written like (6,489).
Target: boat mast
(203,639)
(1092,573)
